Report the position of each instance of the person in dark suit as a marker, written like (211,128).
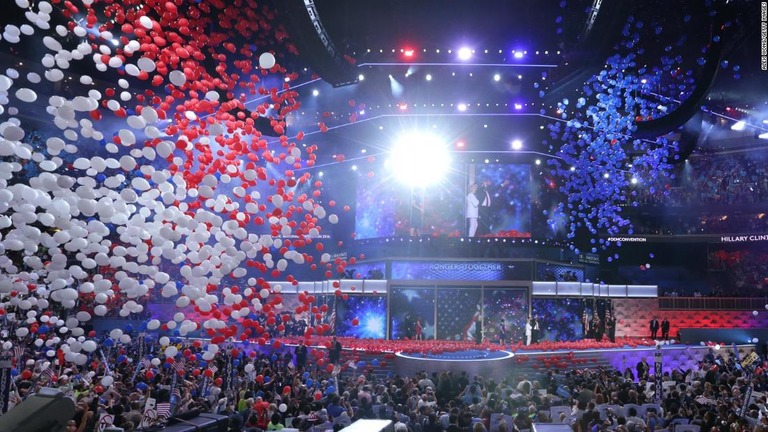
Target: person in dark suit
(535,334)
(610,327)
(595,326)
(642,369)
(665,329)
(301,355)
(483,195)
(334,353)
(654,326)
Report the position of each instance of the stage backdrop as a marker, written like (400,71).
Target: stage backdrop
(362,317)
(408,305)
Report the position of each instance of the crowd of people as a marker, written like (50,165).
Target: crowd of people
(324,387)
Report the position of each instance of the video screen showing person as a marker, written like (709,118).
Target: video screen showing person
(413,312)
(494,197)
(503,199)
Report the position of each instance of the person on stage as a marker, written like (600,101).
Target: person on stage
(528,331)
(472,212)
(502,332)
(585,324)
(665,329)
(417,214)
(417,330)
(599,327)
(654,327)
(535,329)
(334,354)
(301,355)
(610,326)
(484,210)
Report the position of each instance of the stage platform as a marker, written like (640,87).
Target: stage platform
(498,363)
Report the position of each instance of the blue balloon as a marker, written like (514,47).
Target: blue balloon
(308,382)
(267,379)
(306,375)
(236,362)
(330,390)
(108,342)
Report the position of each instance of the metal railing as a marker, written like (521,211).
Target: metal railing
(713,303)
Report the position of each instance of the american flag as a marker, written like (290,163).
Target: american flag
(213,368)
(86,379)
(145,363)
(163,410)
(18,352)
(176,392)
(47,374)
(179,366)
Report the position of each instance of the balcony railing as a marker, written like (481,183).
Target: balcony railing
(713,303)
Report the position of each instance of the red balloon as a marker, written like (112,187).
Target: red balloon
(218,381)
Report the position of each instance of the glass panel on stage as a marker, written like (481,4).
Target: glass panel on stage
(408,305)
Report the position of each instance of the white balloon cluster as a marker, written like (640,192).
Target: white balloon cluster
(135,206)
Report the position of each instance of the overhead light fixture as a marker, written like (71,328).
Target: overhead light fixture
(497,77)
(465,54)
(517,144)
(739,125)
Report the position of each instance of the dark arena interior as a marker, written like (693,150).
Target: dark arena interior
(402,216)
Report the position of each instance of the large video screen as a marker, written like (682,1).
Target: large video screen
(362,317)
(387,208)
(459,313)
(510,305)
(410,305)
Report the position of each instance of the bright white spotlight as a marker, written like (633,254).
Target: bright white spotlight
(361,77)
(763,135)
(497,77)
(428,77)
(315,92)
(518,54)
(517,144)
(462,107)
(739,126)
(420,159)
(465,54)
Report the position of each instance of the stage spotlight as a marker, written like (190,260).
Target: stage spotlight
(518,54)
(315,92)
(517,144)
(428,77)
(361,77)
(462,107)
(419,159)
(465,54)
(497,77)
(763,135)
(739,125)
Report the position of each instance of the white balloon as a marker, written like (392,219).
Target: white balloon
(89,346)
(171,351)
(177,78)
(107,381)
(26,95)
(266,60)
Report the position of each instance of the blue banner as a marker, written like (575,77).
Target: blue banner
(462,270)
